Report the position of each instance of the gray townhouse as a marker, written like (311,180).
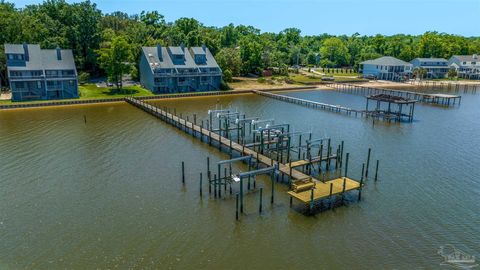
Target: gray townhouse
(436,67)
(467,66)
(386,68)
(179,69)
(38,74)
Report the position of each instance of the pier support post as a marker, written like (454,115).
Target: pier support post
(368,162)
(273,186)
(376,171)
(201,180)
(236,206)
(260,203)
(346,164)
(241,195)
(183,172)
(361,183)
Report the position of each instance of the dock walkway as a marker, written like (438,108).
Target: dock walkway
(311,104)
(322,190)
(442,99)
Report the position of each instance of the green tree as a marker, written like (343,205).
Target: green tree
(229,59)
(420,73)
(115,60)
(227,75)
(452,73)
(334,52)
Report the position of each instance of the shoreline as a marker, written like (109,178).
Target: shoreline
(59,103)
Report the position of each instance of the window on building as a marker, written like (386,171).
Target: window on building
(10,57)
(19,85)
(36,73)
(39,85)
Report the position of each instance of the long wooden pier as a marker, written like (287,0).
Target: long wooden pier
(446,86)
(312,104)
(442,99)
(321,191)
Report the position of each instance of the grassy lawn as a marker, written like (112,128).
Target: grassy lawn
(243,83)
(300,78)
(91,91)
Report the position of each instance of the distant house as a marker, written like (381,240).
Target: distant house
(386,68)
(467,66)
(36,74)
(436,67)
(179,69)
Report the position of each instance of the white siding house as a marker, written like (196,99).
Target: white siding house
(386,68)
(467,66)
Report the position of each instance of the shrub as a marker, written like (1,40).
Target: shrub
(227,75)
(83,77)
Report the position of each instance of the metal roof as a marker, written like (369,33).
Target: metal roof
(156,62)
(431,59)
(197,50)
(42,59)
(176,50)
(467,58)
(391,99)
(386,61)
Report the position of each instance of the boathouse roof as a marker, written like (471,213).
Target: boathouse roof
(391,99)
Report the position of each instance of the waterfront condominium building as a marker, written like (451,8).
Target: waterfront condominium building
(36,74)
(179,69)
(386,68)
(436,68)
(467,66)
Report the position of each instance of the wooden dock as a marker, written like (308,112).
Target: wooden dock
(321,191)
(429,98)
(312,104)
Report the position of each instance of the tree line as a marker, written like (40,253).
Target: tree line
(105,41)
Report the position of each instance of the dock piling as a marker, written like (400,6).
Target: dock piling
(260,203)
(201,178)
(183,172)
(368,162)
(236,206)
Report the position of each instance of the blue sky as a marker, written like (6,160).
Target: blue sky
(313,17)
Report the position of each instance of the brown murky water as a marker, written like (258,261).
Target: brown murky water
(108,194)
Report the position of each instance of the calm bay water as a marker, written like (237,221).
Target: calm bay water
(108,194)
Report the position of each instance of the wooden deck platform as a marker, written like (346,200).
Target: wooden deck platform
(305,162)
(322,190)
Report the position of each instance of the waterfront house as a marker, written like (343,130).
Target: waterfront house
(386,68)
(179,69)
(38,74)
(467,66)
(436,68)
